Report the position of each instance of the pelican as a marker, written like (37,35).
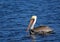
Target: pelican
(38,30)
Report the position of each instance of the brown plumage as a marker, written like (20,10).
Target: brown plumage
(41,30)
(38,30)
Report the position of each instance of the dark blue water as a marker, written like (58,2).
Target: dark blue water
(15,16)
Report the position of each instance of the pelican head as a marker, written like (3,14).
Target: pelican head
(32,22)
(34,17)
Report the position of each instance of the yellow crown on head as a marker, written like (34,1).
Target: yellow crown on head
(33,17)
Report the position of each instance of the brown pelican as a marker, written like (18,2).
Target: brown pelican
(38,30)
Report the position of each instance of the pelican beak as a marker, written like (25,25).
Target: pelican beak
(30,24)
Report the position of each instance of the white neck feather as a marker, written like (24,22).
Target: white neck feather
(32,26)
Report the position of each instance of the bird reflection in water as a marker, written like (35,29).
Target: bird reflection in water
(33,38)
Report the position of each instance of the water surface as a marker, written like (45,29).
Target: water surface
(15,16)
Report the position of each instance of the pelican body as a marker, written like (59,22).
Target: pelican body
(38,30)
